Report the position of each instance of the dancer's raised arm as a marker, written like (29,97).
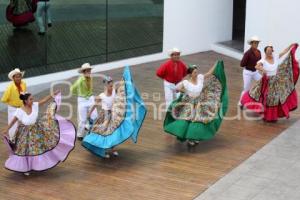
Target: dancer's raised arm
(286,50)
(47,98)
(211,70)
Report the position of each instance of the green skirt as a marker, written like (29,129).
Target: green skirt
(199,118)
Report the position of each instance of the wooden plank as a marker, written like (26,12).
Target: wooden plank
(157,167)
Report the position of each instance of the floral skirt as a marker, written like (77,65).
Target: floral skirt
(199,118)
(43,145)
(275,96)
(36,139)
(121,123)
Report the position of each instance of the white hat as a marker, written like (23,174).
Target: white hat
(14,72)
(174,50)
(252,39)
(84,67)
(269,44)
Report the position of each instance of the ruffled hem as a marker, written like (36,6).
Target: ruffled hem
(19,20)
(272,113)
(129,128)
(188,130)
(282,110)
(99,143)
(49,159)
(249,103)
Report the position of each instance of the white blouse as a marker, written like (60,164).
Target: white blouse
(271,69)
(191,89)
(26,119)
(107,101)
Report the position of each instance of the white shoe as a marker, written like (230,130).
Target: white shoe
(191,143)
(115,153)
(107,156)
(26,173)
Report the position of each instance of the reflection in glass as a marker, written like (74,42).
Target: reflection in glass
(76,31)
(135,28)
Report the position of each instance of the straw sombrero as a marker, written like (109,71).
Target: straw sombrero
(85,66)
(15,72)
(174,50)
(253,39)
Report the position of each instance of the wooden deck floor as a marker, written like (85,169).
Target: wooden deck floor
(157,167)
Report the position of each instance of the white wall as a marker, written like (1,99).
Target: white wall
(191,25)
(274,21)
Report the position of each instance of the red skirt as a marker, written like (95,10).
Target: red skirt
(22,19)
(275,96)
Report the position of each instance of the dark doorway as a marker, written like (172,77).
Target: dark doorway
(239,19)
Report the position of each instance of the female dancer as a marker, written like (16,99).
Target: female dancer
(274,95)
(21,12)
(197,114)
(122,114)
(11,96)
(40,142)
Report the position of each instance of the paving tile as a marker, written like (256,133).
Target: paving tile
(273,173)
(240,193)
(253,182)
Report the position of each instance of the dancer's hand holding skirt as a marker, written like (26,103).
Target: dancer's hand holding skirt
(199,118)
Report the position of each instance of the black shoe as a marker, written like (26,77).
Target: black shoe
(50,25)
(80,138)
(41,33)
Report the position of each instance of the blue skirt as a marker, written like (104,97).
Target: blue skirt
(128,114)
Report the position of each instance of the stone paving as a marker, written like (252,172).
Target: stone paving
(273,173)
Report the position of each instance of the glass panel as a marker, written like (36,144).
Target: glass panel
(135,28)
(20,45)
(78,33)
(53,36)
